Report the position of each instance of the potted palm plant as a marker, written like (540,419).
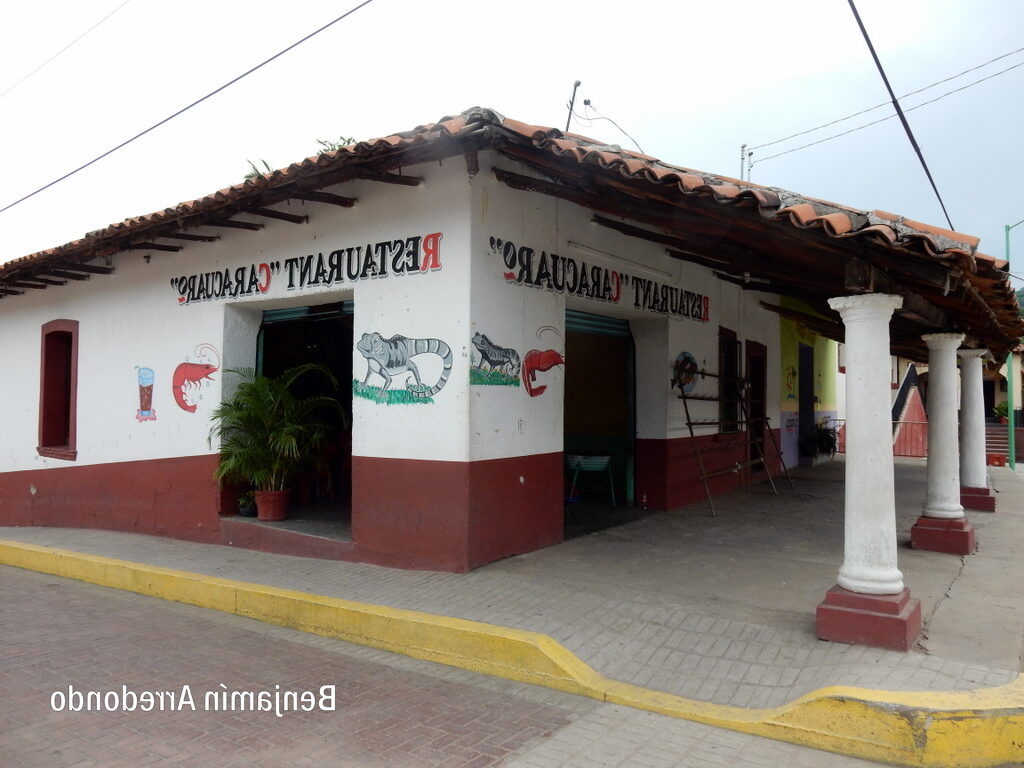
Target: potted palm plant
(268,434)
(1002,412)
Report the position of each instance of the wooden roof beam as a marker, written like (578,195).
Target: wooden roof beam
(252,226)
(824,326)
(390,178)
(315,196)
(862,277)
(191,237)
(270,213)
(26,283)
(151,246)
(63,273)
(92,269)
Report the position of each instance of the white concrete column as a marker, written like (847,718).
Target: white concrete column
(869,547)
(942,495)
(973,473)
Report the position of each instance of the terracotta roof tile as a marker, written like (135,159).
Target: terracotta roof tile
(487,128)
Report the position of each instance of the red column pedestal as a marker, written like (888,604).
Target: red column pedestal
(882,621)
(978,499)
(935,534)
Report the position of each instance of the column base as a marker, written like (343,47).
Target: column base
(881,621)
(978,499)
(935,534)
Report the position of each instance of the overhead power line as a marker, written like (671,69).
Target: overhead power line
(58,53)
(873,122)
(899,112)
(904,96)
(590,120)
(187,108)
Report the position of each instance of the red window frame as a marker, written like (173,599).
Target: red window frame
(58,390)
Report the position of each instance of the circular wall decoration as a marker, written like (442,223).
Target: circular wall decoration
(685,372)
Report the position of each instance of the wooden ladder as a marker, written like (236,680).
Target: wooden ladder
(742,420)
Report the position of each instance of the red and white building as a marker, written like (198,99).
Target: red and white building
(557,287)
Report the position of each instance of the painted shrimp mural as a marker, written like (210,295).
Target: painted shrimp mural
(188,377)
(540,360)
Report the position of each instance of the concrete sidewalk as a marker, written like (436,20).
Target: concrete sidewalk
(715,609)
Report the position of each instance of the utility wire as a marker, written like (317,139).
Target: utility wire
(899,111)
(880,120)
(58,53)
(905,95)
(187,108)
(589,119)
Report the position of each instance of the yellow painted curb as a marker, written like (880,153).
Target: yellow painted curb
(972,729)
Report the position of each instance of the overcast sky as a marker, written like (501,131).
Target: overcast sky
(689,80)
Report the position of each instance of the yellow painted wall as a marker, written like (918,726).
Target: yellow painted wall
(791,336)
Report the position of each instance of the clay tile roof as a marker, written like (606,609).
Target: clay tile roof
(758,226)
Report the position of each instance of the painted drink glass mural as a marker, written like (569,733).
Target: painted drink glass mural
(146,377)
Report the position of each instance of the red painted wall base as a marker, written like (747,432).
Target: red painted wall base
(166,497)
(668,473)
(454,516)
(978,499)
(934,534)
(881,621)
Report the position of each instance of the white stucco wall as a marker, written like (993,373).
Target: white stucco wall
(150,313)
(133,318)
(506,420)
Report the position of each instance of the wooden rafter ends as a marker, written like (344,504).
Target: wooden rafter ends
(326,197)
(191,237)
(270,213)
(643,234)
(92,269)
(64,273)
(252,226)
(26,284)
(390,178)
(150,246)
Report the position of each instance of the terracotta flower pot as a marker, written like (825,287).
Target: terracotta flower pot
(272,505)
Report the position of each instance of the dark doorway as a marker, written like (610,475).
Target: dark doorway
(988,388)
(728,381)
(599,420)
(319,334)
(757,396)
(807,442)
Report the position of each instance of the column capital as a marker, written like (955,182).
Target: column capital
(943,340)
(967,354)
(866,306)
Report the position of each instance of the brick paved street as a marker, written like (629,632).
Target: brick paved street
(390,710)
(718,609)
